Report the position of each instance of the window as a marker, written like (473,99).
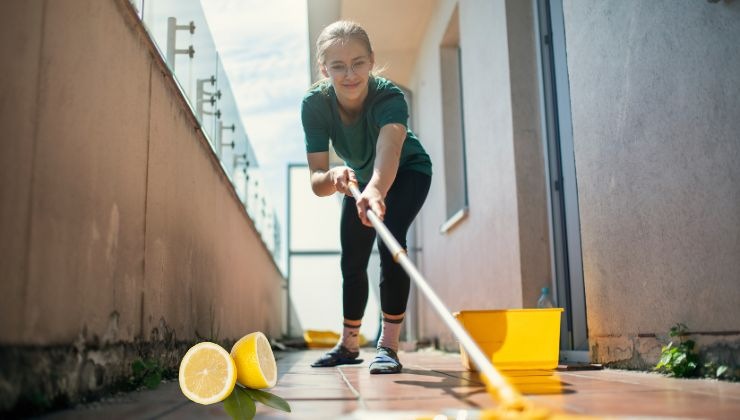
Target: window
(456,192)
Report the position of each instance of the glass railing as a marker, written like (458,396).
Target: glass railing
(180,32)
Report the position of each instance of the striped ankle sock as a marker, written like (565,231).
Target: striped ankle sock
(390,333)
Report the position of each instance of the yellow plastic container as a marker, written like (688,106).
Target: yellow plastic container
(316,339)
(514,339)
(320,339)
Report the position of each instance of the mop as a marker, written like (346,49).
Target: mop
(511,403)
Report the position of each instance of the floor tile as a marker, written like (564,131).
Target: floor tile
(433,382)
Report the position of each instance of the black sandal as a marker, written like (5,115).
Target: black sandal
(339,355)
(386,361)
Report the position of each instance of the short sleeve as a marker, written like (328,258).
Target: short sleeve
(391,108)
(315,129)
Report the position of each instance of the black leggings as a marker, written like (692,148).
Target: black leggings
(403,202)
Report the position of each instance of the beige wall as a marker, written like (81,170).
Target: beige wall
(117,219)
(17,112)
(655,94)
(498,257)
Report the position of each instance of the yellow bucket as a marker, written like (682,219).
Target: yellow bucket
(319,339)
(316,339)
(514,339)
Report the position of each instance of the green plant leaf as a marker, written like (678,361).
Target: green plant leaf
(239,405)
(721,371)
(664,360)
(152,380)
(268,399)
(138,367)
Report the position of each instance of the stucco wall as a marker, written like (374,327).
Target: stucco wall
(118,225)
(498,257)
(655,94)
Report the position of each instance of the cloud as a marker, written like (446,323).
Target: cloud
(264,50)
(280,132)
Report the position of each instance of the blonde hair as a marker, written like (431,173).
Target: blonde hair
(340,32)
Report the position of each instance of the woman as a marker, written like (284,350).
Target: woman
(365,117)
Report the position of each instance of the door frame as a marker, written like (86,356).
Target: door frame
(562,191)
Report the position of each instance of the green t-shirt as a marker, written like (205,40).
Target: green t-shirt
(355,143)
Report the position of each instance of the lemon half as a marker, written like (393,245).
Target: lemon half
(255,363)
(207,373)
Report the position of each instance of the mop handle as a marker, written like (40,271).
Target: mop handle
(506,392)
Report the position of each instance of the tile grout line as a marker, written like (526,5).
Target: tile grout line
(472,382)
(603,379)
(354,391)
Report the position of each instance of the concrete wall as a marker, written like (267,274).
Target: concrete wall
(655,95)
(498,257)
(119,229)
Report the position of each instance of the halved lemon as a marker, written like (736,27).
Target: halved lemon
(207,373)
(255,363)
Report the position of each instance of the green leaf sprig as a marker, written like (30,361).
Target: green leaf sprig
(678,359)
(241,404)
(146,372)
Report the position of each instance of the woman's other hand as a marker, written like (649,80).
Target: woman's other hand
(341,177)
(371,198)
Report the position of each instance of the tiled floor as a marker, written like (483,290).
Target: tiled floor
(434,383)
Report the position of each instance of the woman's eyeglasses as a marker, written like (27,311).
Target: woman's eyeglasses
(359,67)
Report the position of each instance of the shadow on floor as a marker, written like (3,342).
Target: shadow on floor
(526,382)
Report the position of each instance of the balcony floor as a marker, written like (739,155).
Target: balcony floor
(435,383)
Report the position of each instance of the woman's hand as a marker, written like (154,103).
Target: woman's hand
(371,198)
(340,177)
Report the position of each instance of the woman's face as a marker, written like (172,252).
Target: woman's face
(348,65)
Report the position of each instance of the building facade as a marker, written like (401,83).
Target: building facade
(590,148)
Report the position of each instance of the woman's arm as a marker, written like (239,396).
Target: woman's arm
(325,181)
(387,158)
